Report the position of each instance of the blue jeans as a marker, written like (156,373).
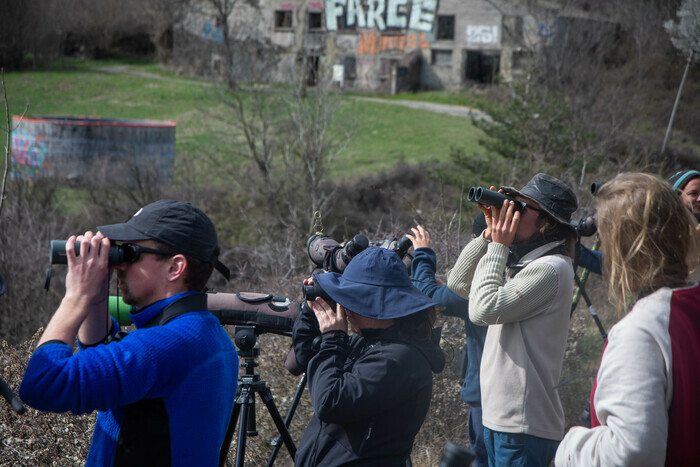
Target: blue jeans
(476,436)
(518,449)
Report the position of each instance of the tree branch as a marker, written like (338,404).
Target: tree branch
(8,129)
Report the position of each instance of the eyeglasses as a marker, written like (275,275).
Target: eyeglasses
(130,252)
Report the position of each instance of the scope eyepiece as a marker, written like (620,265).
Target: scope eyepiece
(595,186)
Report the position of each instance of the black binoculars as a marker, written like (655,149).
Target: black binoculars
(487,197)
(122,253)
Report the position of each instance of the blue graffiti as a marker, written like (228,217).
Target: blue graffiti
(212,34)
(546,30)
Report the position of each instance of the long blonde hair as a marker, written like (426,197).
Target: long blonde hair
(647,234)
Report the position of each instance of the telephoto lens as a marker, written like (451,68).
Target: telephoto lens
(402,246)
(342,256)
(319,246)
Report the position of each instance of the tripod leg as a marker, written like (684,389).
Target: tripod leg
(277,442)
(591,309)
(242,435)
(226,445)
(266,396)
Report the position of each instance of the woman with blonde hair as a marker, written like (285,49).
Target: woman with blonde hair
(644,402)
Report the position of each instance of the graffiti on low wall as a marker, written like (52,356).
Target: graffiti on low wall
(210,33)
(372,43)
(381,14)
(28,155)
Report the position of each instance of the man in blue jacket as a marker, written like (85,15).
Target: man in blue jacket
(423,269)
(164,391)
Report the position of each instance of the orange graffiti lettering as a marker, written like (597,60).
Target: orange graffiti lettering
(372,43)
(410,41)
(424,44)
(366,45)
(386,43)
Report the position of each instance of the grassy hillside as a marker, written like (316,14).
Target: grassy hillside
(141,90)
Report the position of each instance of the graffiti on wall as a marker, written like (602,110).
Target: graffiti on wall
(210,33)
(28,154)
(381,14)
(545,30)
(372,43)
(480,34)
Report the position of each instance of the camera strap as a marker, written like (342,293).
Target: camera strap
(556,247)
(188,303)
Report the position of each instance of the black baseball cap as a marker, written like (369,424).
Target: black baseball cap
(177,224)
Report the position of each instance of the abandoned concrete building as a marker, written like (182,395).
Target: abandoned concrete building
(384,46)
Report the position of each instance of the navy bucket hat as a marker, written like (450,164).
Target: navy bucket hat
(375,285)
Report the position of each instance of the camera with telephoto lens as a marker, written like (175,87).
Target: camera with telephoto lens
(331,256)
(485,197)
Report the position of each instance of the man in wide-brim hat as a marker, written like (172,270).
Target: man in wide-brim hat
(370,390)
(518,276)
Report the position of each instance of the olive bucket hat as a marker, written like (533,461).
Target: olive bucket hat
(552,196)
(375,285)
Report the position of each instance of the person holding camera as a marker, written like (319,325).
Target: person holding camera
(164,391)
(423,269)
(518,276)
(644,404)
(370,390)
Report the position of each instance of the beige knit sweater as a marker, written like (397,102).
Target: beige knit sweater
(528,318)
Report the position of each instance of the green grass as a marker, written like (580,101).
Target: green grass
(386,134)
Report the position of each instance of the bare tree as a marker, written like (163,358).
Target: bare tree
(8,131)
(161,15)
(685,36)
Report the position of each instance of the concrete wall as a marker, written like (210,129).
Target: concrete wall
(93,150)
(363,47)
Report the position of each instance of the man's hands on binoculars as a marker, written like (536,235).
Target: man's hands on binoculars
(501,223)
(328,318)
(86,281)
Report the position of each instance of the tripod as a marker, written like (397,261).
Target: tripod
(250,384)
(581,291)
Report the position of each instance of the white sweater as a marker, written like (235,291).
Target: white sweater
(635,389)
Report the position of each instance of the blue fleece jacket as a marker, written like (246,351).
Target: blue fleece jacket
(423,270)
(188,365)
